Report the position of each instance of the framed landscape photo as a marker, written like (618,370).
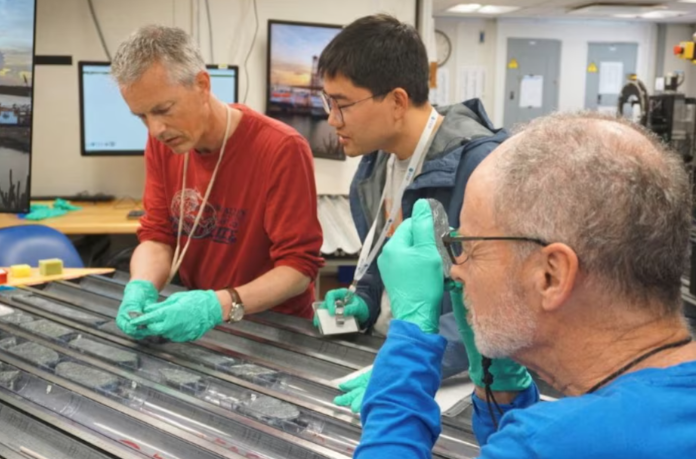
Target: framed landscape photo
(294,84)
(17,23)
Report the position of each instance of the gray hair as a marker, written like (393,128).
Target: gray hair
(150,44)
(609,190)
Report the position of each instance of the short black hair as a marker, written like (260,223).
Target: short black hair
(379,53)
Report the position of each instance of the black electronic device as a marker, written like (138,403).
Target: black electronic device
(82,197)
(135,214)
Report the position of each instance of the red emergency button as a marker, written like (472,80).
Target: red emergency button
(678,49)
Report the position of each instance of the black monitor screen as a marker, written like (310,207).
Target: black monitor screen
(17,20)
(294,85)
(107,124)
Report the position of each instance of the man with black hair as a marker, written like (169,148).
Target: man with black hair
(376,77)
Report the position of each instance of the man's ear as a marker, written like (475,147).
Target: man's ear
(401,101)
(557,276)
(202,82)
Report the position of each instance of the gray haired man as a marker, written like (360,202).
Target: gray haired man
(230,199)
(572,243)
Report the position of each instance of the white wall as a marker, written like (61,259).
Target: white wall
(575,36)
(467,50)
(65,27)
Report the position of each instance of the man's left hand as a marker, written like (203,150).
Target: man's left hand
(411,269)
(184,316)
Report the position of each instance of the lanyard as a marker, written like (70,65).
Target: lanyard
(368,252)
(178,253)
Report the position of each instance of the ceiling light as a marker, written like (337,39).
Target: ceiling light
(612,9)
(464,8)
(664,14)
(495,9)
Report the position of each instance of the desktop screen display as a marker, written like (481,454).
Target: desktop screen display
(294,85)
(17,24)
(107,124)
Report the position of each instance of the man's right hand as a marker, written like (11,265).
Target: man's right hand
(354,392)
(137,295)
(355,307)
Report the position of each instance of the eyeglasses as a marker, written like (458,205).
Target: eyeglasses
(455,246)
(330,104)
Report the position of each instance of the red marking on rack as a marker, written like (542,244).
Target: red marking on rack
(131,444)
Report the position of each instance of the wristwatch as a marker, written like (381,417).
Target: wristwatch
(237,308)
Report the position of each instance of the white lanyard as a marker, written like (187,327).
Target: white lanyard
(179,257)
(368,252)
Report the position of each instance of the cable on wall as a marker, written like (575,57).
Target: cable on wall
(99,30)
(246,60)
(210,31)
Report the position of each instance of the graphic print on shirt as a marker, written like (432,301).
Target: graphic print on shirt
(220,224)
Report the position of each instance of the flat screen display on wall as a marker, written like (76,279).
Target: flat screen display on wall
(17,26)
(294,85)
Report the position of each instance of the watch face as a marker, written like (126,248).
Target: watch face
(237,312)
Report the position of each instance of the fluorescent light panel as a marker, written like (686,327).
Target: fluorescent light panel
(465,8)
(496,9)
(482,9)
(664,14)
(608,9)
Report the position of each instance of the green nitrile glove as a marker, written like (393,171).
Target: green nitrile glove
(42,212)
(411,269)
(508,376)
(355,392)
(184,316)
(137,295)
(355,307)
(62,204)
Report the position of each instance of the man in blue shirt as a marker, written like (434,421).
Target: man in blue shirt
(571,247)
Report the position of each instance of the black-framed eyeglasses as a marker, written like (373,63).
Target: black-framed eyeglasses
(330,104)
(455,244)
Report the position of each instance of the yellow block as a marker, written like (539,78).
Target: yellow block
(51,267)
(513,64)
(20,271)
(592,68)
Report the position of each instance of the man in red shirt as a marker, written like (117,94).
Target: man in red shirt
(230,199)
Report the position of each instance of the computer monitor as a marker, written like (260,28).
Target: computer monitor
(294,83)
(108,128)
(17,39)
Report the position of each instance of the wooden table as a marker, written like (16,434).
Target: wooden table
(98,218)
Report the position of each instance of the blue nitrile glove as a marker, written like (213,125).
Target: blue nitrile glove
(137,295)
(355,307)
(411,269)
(355,391)
(184,316)
(508,376)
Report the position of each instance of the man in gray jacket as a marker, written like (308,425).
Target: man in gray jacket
(376,77)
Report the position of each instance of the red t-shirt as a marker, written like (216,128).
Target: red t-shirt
(261,213)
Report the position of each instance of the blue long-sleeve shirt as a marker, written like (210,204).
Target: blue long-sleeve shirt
(647,414)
